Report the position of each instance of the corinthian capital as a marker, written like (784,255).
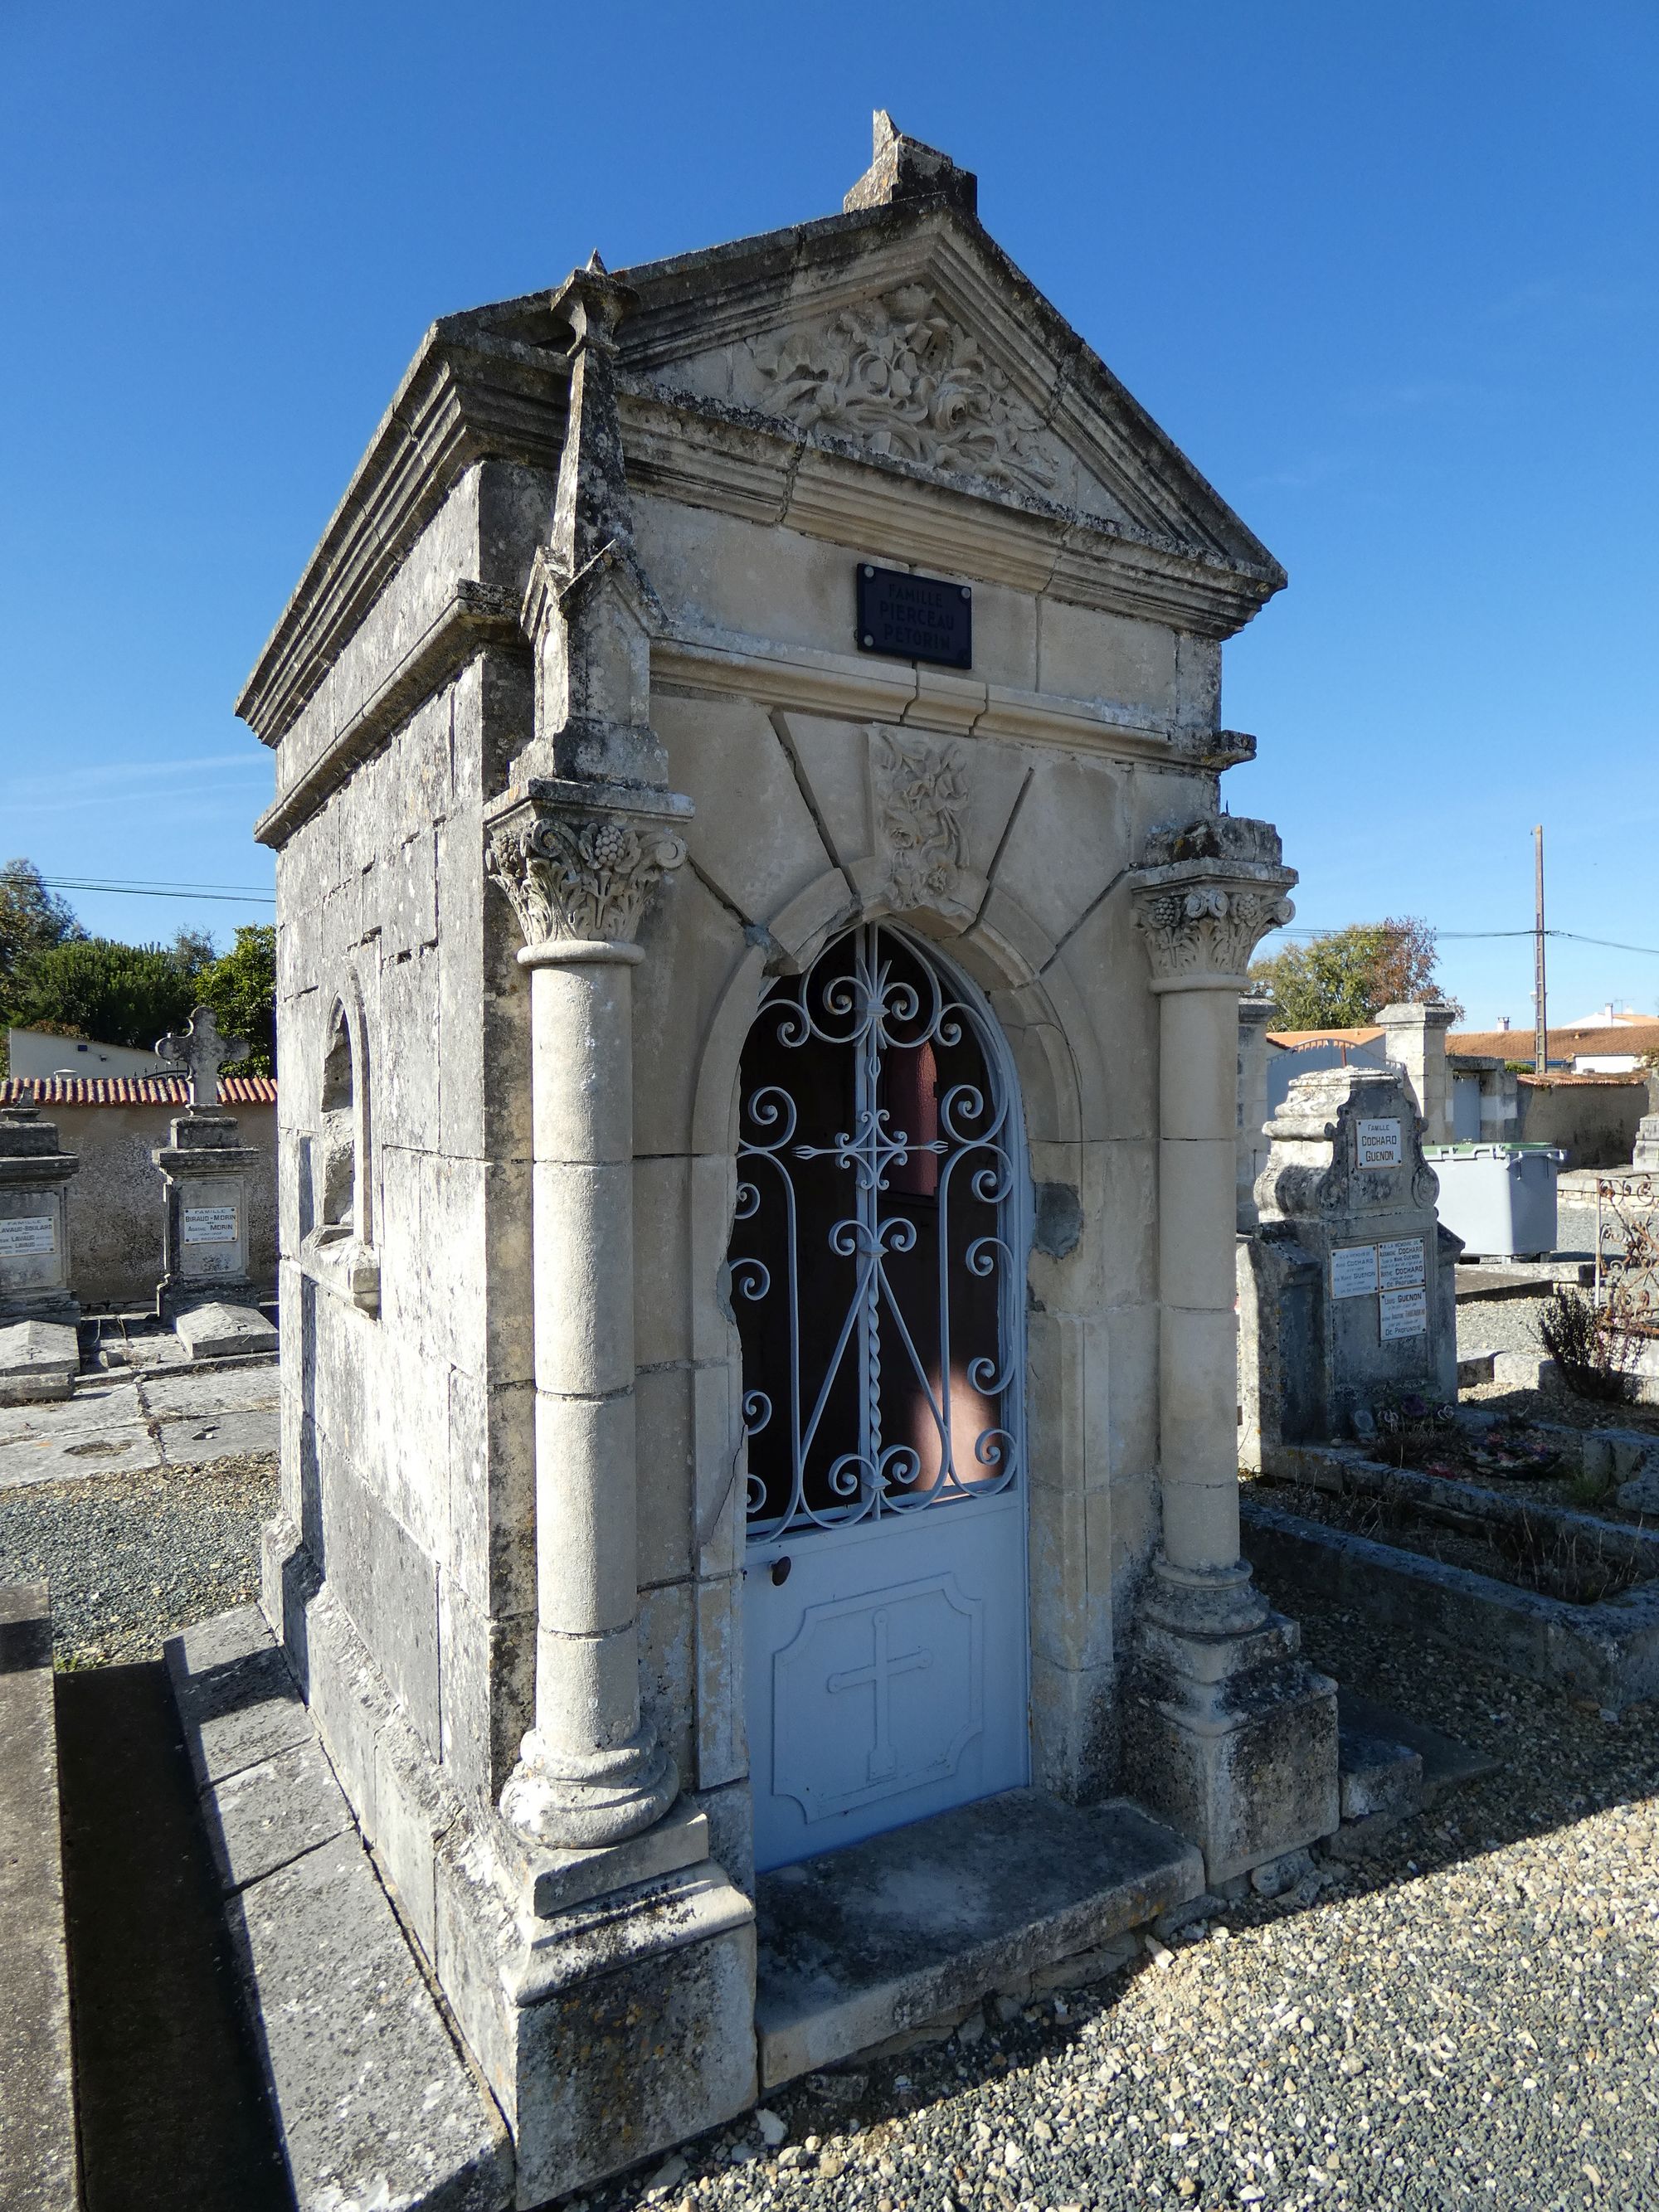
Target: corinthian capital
(1205,896)
(578,862)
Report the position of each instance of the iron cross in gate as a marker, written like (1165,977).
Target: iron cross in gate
(199,1053)
(878,1674)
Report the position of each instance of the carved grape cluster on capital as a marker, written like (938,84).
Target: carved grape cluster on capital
(1209,928)
(580,878)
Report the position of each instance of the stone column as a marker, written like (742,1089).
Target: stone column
(1414,1040)
(578,863)
(1227,1733)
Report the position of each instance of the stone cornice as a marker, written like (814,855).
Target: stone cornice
(739,462)
(466,397)
(703,663)
(479,389)
(474,615)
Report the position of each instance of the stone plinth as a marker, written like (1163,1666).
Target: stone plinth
(1646,1154)
(1345,1290)
(34,1180)
(204,1240)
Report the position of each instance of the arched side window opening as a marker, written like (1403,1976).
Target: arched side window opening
(337,1138)
(340,1249)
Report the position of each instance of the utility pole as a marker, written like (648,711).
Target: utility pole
(1540,1026)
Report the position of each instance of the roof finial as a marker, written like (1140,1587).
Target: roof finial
(902,168)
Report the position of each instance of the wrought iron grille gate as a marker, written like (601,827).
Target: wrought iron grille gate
(1627,1250)
(876,1256)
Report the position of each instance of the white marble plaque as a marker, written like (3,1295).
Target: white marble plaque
(26,1233)
(1400,1263)
(210,1225)
(1404,1313)
(1353,1271)
(1380,1146)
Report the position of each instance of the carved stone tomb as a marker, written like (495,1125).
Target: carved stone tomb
(757,1164)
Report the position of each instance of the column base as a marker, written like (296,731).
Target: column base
(582,1804)
(1229,1735)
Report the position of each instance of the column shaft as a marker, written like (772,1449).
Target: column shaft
(1198,1365)
(591,1773)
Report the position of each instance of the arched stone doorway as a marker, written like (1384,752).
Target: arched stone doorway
(877,1265)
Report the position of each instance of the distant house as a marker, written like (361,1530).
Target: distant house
(38,1054)
(1605,1044)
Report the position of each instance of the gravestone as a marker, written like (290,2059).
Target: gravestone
(1347,1292)
(204,1293)
(1646,1153)
(38,1353)
(751,829)
(1257,1014)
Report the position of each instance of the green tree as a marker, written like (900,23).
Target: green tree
(1344,979)
(32,921)
(242,988)
(114,993)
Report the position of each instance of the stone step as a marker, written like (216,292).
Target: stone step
(39,2163)
(859,1945)
(374,2103)
(1446,1763)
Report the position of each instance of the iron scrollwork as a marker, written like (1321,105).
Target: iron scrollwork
(874,1265)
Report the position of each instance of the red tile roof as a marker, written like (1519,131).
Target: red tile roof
(1592,1042)
(130,1091)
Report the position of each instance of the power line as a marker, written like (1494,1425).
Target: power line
(1577,937)
(233,894)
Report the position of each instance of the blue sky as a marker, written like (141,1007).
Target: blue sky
(1387,274)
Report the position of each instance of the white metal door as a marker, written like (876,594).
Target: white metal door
(878,1272)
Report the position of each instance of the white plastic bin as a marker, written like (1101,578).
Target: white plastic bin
(1499,1199)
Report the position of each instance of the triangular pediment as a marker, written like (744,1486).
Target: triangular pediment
(905,334)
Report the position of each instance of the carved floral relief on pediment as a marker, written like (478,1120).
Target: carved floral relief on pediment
(897,375)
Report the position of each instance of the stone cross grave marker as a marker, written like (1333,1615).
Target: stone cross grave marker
(199,1051)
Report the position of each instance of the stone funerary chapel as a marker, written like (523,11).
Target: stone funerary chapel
(759,953)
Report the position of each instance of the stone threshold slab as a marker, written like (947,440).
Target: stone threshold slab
(38,2161)
(859,1945)
(376,2106)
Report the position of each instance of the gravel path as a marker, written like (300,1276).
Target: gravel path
(1470,2018)
(132,1555)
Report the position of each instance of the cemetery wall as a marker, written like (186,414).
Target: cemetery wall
(117,1205)
(1592,1118)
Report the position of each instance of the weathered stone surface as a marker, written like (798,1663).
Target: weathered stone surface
(38,1360)
(261,1817)
(237,1698)
(39,2165)
(860,1944)
(374,2104)
(218,1331)
(509,699)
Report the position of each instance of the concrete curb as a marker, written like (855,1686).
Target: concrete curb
(1608,1652)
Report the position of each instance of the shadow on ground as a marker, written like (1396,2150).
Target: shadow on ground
(171,2110)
